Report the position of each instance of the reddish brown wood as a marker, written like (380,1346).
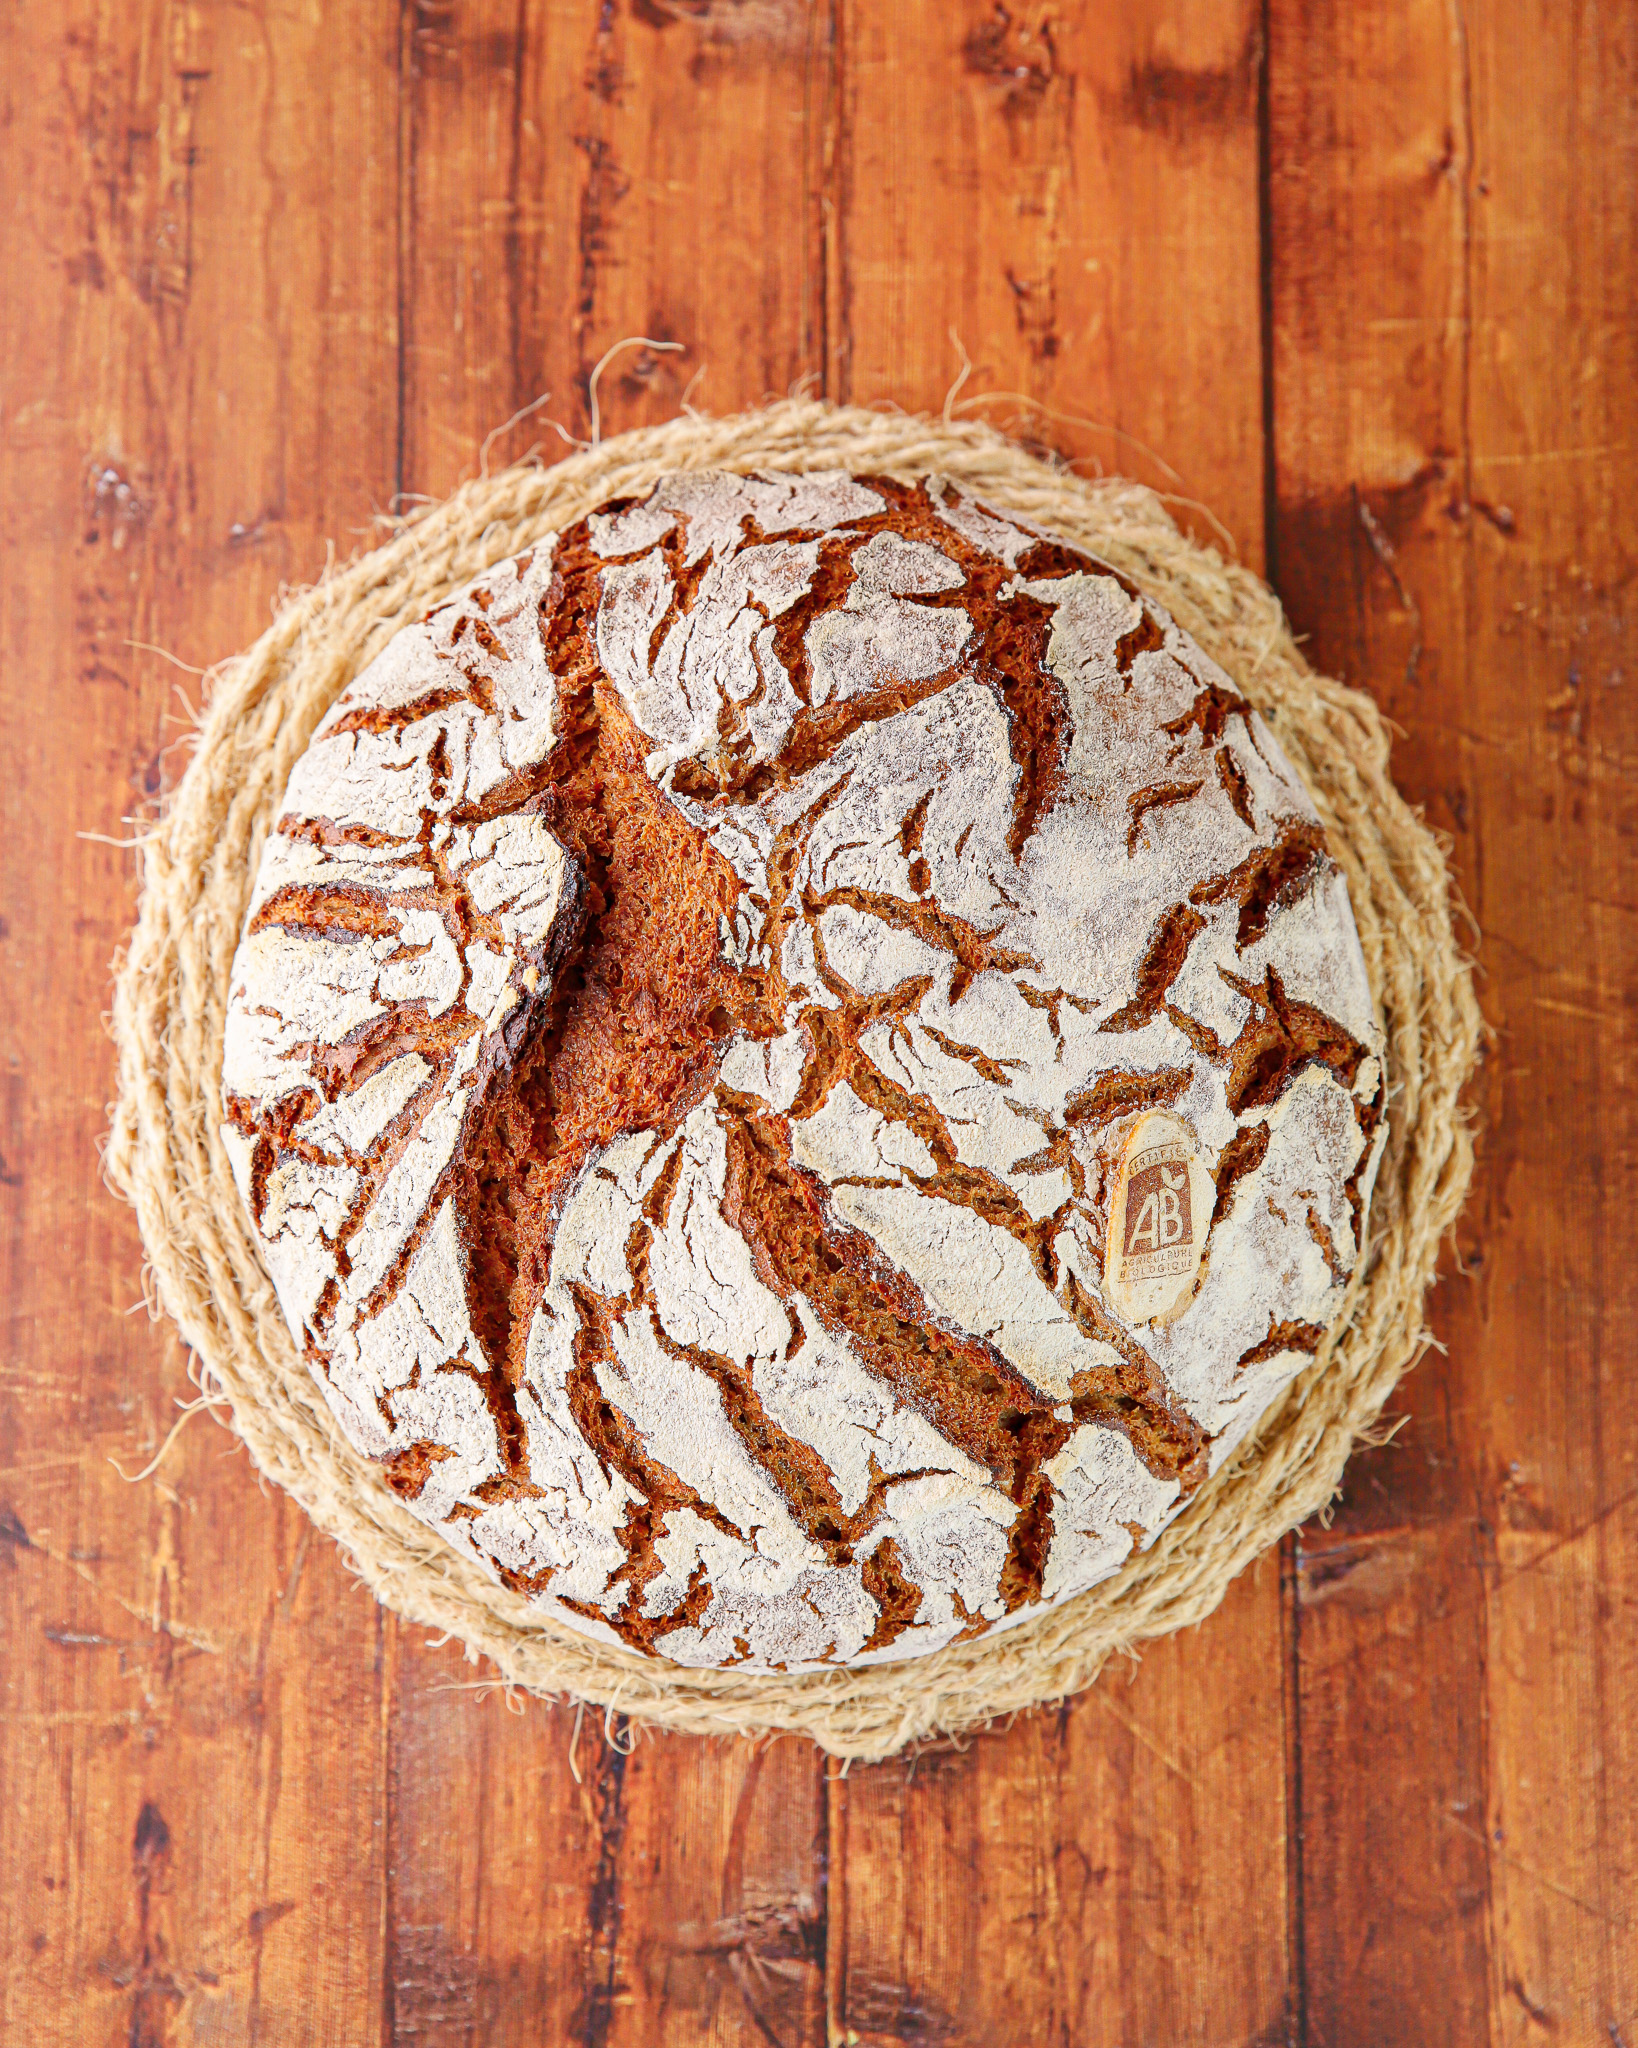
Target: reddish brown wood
(1452,296)
(199,349)
(1076,197)
(572,178)
(1072,1878)
(261,271)
(1071,197)
(576,176)
(542,1880)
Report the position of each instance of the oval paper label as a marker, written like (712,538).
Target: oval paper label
(1158,1220)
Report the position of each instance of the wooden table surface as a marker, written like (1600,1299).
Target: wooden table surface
(1361,278)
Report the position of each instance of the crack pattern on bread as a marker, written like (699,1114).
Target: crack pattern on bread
(685,1039)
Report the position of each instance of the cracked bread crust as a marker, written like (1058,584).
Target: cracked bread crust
(699,1011)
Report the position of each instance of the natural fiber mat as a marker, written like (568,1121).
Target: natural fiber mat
(166,1155)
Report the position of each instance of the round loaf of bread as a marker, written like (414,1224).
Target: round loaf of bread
(801,1069)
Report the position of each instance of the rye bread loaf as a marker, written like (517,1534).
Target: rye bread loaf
(801,1068)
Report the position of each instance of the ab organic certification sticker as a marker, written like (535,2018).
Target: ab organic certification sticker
(1158,1220)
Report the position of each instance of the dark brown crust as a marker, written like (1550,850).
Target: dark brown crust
(1159,796)
(1279,1038)
(1235,786)
(963,1385)
(1282,1337)
(1162,962)
(408,1470)
(1116,1095)
(898,1597)
(1242,1155)
(1269,875)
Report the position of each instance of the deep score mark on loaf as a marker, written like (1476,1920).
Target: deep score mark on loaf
(685,1043)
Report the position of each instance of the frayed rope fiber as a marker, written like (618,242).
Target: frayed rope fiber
(166,1155)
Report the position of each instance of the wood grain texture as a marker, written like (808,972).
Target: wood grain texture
(198,363)
(1070,196)
(1452,295)
(1095,176)
(575,176)
(1063,1881)
(544,1883)
(1362,281)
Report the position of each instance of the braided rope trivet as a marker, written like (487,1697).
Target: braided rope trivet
(166,1155)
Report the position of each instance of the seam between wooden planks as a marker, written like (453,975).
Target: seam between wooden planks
(1296,1937)
(1265,291)
(1296,1996)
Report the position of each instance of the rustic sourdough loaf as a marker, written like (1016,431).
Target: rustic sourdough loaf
(801,1068)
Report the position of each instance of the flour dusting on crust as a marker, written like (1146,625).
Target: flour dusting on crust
(712,991)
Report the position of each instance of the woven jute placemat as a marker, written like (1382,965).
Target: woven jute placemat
(165,1152)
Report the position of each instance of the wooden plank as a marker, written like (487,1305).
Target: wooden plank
(1073,1878)
(201,268)
(576,175)
(723,1915)
(492,1864)
(1453,375)
(1075,199)
(547,1884)
(198,349)
(1078,198)
(1389,1747)
(573,176)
